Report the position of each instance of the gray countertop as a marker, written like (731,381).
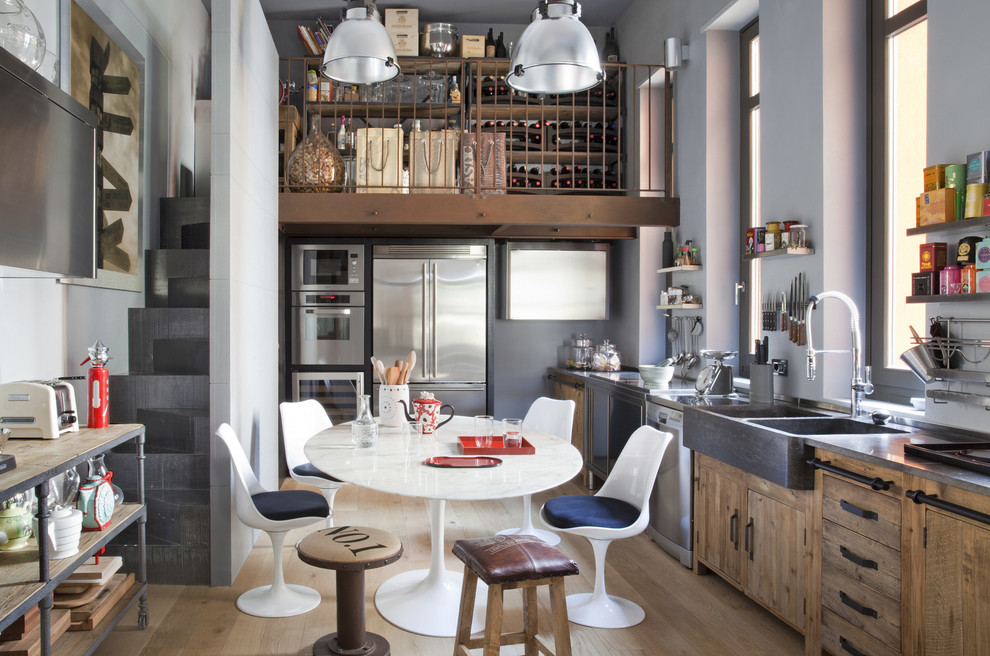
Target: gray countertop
(884,450)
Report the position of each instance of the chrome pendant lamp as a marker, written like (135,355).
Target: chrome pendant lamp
(360,51)
(556,53)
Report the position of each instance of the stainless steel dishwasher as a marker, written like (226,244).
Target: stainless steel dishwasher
(670,504)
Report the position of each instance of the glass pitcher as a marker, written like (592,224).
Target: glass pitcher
(364,430)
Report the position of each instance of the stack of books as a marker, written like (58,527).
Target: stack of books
(314,38)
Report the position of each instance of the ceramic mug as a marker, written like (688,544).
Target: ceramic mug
(390,411)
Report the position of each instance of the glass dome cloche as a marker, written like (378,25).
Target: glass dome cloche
(20,33)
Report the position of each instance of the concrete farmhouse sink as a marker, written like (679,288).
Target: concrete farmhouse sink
(768,440)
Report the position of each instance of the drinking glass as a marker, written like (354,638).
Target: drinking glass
(484,425)
(512,429)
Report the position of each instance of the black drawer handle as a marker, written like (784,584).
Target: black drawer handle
(932,500)
(876,483)
(859,608)
(856,510)
(862,562)
(846,647)
(749,531)
(733,535)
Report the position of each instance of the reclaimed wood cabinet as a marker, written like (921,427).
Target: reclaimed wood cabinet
(571,388)
(29,577)
(754,534)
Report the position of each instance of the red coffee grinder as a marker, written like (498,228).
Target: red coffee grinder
(98,382)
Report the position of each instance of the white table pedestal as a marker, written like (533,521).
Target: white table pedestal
(426,601)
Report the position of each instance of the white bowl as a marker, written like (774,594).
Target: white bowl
(656,376)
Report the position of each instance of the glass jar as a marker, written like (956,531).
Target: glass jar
(364,430)
(21,34)
(798,236)
(315,165)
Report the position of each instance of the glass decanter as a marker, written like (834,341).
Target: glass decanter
(315,165)
(98,469)
(20,33)
(364,430)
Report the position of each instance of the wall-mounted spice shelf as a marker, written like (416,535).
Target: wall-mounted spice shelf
(950,298)
(952,226)
(779,251)
(680,267)
(680,306)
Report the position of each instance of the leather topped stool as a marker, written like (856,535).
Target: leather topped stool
(507,562)
(350,550)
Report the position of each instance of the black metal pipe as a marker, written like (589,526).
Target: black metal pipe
(876,483)
(920,497)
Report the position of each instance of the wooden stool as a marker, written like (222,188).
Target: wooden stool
(350,550)
(506,562)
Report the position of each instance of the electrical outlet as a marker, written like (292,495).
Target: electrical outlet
(779,367)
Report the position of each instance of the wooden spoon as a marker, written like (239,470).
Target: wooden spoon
(374,366)
(412,364)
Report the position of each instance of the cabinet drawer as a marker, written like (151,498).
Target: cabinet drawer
(862,559)
(869,513)
(862,606)
(841,638)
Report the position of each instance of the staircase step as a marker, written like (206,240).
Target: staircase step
(189,292)
(130,393)
(176,431)
(177,212)
(181,356)
(163,265)
(195,235)
(145,325)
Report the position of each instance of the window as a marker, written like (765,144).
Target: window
(899,85)
(749,183)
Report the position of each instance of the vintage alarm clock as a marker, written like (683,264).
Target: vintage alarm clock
(96,503)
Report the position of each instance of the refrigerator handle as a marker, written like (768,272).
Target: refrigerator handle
(426,320)
(433,320)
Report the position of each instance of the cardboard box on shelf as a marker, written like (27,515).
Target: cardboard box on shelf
(937,206)
(402,19)
(977,169)
(472,45)
(406,41)
(924,283)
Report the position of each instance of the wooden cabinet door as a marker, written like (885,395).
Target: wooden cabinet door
(573,392)
(957,587)
(718,516)
(774,542)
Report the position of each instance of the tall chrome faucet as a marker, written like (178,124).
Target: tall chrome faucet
(861,382)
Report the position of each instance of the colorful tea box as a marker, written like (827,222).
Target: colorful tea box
(934,177)
(977,167)
(982,259)
(924,283)
(937,206)
(933,256)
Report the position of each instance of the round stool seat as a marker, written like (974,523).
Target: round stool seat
(350,550)
(346,548)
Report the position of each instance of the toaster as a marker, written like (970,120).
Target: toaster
(38,408)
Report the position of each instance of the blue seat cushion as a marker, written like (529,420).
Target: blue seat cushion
(308,469)
(290,504)
(580,510)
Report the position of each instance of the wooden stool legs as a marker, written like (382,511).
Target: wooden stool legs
(493,638)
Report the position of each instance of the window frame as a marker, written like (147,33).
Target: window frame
(891,384)
(749,270)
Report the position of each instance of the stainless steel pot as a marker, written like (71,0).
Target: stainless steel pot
(438,39)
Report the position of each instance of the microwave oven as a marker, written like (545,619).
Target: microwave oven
(327,267)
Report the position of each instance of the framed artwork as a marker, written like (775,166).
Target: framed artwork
(105,79)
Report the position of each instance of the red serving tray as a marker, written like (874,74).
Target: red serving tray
(496,449)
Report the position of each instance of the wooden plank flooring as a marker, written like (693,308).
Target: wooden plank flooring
(685,613)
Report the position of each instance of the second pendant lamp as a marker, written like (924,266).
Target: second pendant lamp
(556,53)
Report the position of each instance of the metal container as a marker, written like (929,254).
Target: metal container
(438,39)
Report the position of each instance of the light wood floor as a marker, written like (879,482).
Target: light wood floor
(685,613)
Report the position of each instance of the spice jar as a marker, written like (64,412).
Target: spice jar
(798,236)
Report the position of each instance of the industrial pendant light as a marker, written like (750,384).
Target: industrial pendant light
(556,53)
(360,51)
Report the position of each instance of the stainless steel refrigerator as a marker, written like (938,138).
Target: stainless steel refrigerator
(432,299)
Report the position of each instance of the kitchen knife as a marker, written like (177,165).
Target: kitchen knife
(793,319)
(804,309)
(783,311)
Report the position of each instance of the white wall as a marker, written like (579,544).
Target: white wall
(243,265)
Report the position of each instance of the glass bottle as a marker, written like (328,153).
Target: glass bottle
(98,470)
(315,165)
(364,430)
(455,91)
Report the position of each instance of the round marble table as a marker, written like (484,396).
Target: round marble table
(426,601)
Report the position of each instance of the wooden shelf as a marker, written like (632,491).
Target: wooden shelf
(680,267)
(474,215)
(532,111)
(376,110)
(950,298)
(681,306)
(778,252)
(952,226)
